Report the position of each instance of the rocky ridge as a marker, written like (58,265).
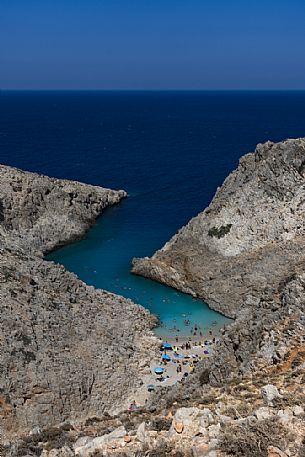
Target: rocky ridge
(38,213)
(249,239)
(62,352)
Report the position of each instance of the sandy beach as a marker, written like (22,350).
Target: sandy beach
(184,356)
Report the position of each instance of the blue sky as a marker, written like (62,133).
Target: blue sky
(160,44)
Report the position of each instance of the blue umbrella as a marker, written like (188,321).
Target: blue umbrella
(159,370)
(151,387)
(206,352)
(166,357)
(167,346)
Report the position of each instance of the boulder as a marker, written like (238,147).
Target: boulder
(285,415)
(269,394)
(298,410)
(214,431)
(142,433)
(190,421)
(262,413)
(115,438)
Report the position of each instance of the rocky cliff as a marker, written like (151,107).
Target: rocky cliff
(38,213)
(66,349)
(245,400)
(248,241)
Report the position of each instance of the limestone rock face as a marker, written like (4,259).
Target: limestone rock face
(66,349)
(248,240)
(40,213)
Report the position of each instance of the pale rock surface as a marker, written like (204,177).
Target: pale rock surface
(262,413)
(298,410)
(269,394)
(100,443)
(193,420)
(142,434)
(285,415)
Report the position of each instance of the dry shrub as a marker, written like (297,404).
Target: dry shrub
(247,440)
(160,423)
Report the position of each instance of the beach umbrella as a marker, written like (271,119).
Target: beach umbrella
(206,352)
(166,357)
(159,370)
(151,387)
(167,346)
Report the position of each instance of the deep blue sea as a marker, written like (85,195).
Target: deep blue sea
(169,150)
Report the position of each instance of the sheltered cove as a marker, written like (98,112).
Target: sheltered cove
(251,389)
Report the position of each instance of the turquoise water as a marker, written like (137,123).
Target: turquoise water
(103,259)
(169,150)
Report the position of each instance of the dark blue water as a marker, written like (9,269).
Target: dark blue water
(169,150)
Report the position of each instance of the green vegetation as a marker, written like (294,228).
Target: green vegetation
(219,232)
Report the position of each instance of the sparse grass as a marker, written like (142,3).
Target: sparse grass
(238,411)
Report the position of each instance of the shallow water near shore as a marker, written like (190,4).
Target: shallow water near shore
(103,259)
(169,150)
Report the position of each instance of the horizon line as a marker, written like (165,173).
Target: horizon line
(147,90)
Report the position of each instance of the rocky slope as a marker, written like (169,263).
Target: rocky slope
(247,399)
(250,238)
(66,349)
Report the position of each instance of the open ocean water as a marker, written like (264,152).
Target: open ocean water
(168,150)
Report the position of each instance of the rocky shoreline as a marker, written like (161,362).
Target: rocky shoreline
(248,241)
(245,256)
(63,351)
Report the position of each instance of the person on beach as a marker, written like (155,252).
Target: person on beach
(132,406)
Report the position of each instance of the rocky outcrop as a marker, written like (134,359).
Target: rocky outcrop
(229,427)
(38,213)
(66,349)
(248,241)
(245,256)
